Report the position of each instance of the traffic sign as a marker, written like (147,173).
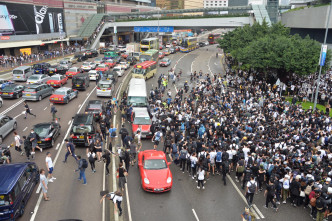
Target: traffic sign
(153,29)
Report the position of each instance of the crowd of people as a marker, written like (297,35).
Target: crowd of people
(239,124)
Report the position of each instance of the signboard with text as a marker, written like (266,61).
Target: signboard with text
(153,29)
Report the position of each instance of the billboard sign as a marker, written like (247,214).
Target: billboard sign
(153,29)
(23,19)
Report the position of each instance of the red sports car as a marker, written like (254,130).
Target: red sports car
(73,71)
(110,63)
(57,80)
(154,169)
(141,120)
(63,95)
(102,67)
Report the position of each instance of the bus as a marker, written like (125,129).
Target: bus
(212,38)
(110,55)
(188,44)
(149,43)
(137,95)
(145,70)
(150,55)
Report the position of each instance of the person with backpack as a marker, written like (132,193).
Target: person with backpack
(193,164)
(121,174)
(168,142)
(269,194)
(34,138)
(157,138)
(27,147)
(116,198)
(82,165)
(92,158)
(123,132)
(112,132)
(225,170)
(218,160)
(285,188)
(246,176)
(239,169)
(183,158)
(251,189)
(320,206)
(175,153)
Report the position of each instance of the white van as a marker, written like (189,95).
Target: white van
(93,75)
(137,95)
(104,88)
(22,73)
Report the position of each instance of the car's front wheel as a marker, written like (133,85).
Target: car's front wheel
(15,126)
(40,98)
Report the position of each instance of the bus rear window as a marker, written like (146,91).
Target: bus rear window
(4,200)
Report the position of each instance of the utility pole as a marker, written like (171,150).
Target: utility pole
(320,65)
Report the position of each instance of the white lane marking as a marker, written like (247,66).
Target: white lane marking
(11,107)
(179,61)
(69,122)
(194,212)
(128,204)
(242,196)
(104,183)
(38,189)
(209,64)
(57,146)
(33,217)
(79,105)
(25,128)
(215,64)
(88,93)
(258,211)
(86,99)
(45,108)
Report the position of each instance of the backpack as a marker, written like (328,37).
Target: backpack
(182,127)
(157,137)
(226,166)
(37,137)
(84,163)
(168,143)
(113,133)
(313,201)
(225,156)
(252,187)
(124,131)
(174,148)
(218,157)
(183,154)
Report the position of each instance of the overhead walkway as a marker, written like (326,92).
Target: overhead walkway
(90,25)
(261,14)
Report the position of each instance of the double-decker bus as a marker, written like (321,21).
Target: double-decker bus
(150,55)
(212,38)
(188,44)
(149,43)
(145,70)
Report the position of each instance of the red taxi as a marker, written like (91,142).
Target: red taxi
(161,55)
(73,71)
(154,171)
(110,63)
(57,80)
(102,67)
(141,120)
(63,95)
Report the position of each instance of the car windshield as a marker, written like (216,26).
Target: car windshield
(42,130)
(37,66)
(101,66)
(55,78)
(10,88)
(63,62)
(155,164)
(116,69)
(164,60)
(4,200)
(104,85)
(34,77)
(30,89)
(138,71)
(86,63)
(72,70)
(17,72)
(144,42)
(60,92)
(82,129)
(143,58)
(142,120)
(137,101)
(93,107)
(98,59)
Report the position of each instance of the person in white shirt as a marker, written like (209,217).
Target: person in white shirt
(213,155)
(193,163)
(200,178)
(18,143)
(246,150)
(251,189)
(50,168)
(285,187)
(116,198)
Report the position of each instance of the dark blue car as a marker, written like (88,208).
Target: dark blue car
(17,182)
(41,68)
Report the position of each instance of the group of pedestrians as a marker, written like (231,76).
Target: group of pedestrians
(238,124)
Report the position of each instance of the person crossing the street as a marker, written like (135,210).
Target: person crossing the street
(27,110)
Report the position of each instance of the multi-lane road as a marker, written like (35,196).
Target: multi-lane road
(70,200)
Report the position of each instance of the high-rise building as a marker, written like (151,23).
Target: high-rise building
(237,3)
(215,3)
(170,4)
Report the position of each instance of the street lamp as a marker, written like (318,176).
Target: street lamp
(320,66)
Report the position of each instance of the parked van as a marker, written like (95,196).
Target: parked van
(137,95)
(17,182)
(81,81)
(22,73)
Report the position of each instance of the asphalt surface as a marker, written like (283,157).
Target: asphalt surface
(72,200)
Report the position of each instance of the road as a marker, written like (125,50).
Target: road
(72,200)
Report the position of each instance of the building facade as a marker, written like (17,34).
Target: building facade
(215,3)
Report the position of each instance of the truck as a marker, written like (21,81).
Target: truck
(132,47)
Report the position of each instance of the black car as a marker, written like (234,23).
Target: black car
(103,50)
(110,75)
(56,69)
(117,59)
(172,50)
(12,91)
(131,60)
(95,107)
(48,132)
(201,44)
(94,53)
(83,125)
(81,57)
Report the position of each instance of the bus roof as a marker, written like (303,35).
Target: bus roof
(137,88)
(149,39)
(150,52)
(145,64)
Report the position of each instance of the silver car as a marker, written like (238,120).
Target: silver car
(7,124)
(36,92)
(66,64)
(38,79)
(104,88)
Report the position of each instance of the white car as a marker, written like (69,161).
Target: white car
(124,65)
(98,61)
(65,63)
(122,48)
(87,66)
(118,69)
(93,75)
(38,79)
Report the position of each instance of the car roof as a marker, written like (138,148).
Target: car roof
(105,82)
(9,174)
(153,154)
(63,89)
(141,112)
(57,75)
(41,124)
(34,85)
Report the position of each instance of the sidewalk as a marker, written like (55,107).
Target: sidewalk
(4,70)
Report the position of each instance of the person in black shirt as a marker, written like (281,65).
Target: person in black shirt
(269,194)
(27,110)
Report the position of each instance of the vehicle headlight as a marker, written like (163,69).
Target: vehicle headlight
(146,181)
(169,180)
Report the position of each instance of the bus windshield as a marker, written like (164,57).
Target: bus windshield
(143,58)
(145,42)
(137,101)
(138,71)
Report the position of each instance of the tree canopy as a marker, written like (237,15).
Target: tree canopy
(271,48)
